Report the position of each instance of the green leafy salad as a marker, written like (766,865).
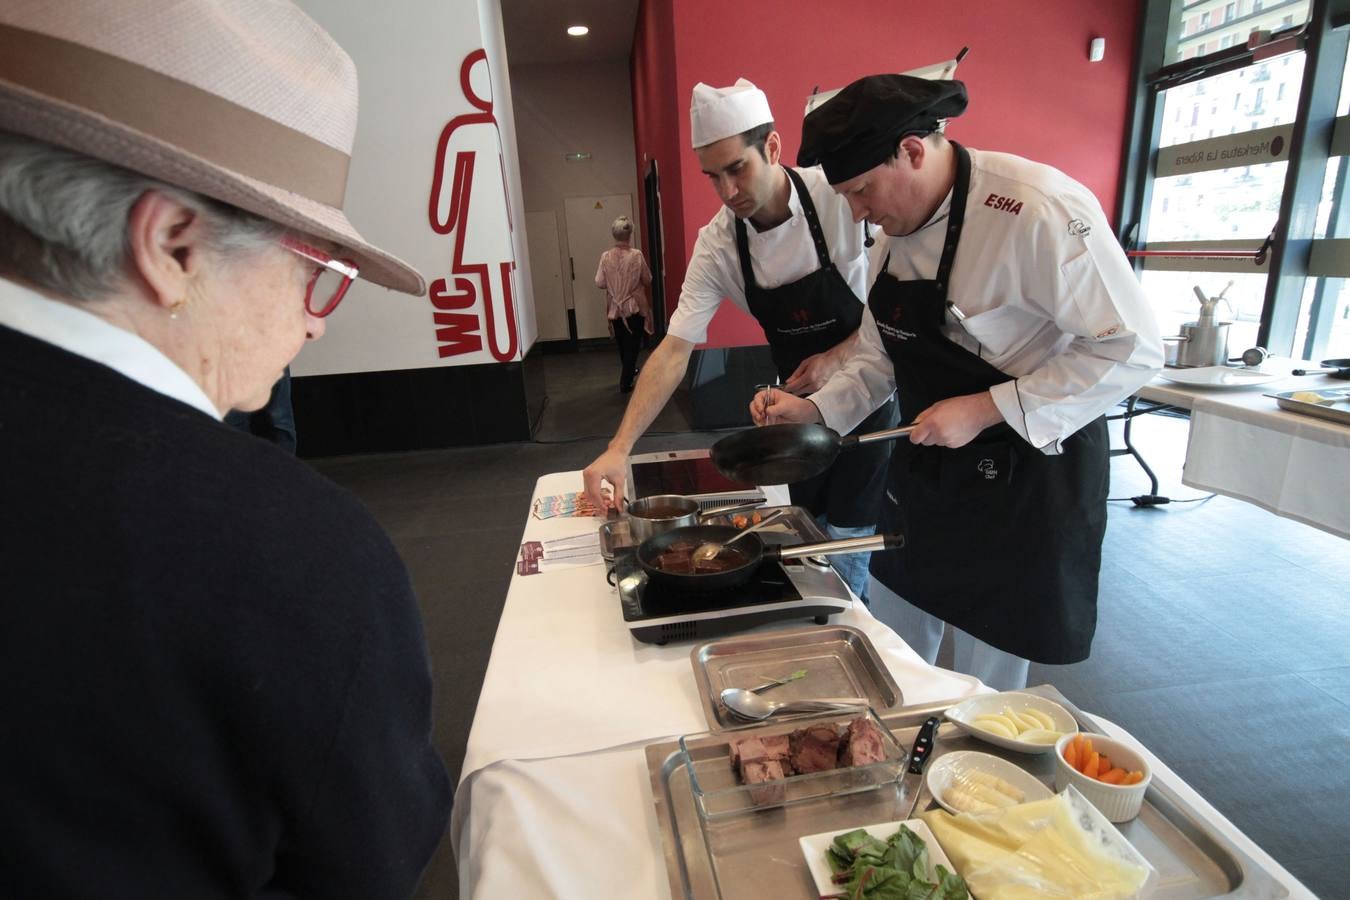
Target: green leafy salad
(894,869)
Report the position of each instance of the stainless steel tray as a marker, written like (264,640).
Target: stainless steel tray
(756,854)
(1336,411)
(840,662)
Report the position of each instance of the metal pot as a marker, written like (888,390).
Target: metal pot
(1199,344)
(650,516)
(754,549)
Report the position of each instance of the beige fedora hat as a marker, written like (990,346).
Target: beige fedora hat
(246,101)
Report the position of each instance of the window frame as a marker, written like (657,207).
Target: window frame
(1323,39)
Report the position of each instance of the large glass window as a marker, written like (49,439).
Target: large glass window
(1216,207)
(1204,26)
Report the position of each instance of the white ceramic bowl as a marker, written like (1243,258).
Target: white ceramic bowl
(964,714)
(943,770)
(1119,803)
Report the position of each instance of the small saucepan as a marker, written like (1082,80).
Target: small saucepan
(661,556)
(1336,368)
(650,516)
(785,454)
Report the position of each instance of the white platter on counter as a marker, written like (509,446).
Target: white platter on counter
(964,714)
(814,846)
(948,765)
(1219,377)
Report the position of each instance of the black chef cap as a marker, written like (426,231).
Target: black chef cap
(859,127)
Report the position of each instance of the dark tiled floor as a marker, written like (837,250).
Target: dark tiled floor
(1223,643)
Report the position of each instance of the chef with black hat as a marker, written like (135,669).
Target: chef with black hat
(786,249)
(1005,315)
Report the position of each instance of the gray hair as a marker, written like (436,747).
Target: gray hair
(622,229)
(63,218)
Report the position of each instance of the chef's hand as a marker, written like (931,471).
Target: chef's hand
(956,421)
(608,466)
(777,406)
(813,372)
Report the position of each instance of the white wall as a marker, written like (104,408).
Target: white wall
(561,109)
(408,57)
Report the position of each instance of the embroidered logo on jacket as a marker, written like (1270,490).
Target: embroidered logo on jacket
(987,466)
(1004,204)
(1079,228)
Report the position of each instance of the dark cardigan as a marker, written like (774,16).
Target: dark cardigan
(213,677)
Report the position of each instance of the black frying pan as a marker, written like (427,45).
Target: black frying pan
(753,550)
(1336,368)
(785,454)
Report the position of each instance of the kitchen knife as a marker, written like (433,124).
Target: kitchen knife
(912,780)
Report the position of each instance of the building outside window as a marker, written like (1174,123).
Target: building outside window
(1202,194)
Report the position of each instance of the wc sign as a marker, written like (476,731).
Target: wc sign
(474,302)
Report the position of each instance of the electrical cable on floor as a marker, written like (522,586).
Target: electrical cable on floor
(1144,500)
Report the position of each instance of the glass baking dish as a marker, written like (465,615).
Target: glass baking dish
(717,789)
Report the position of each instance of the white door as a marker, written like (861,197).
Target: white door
(588,236)
(546,274)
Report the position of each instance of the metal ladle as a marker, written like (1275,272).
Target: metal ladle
(751,706)
(708,550)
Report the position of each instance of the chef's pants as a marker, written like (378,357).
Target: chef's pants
(852,567)
(923,632)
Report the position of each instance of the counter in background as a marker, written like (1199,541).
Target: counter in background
(1243,445)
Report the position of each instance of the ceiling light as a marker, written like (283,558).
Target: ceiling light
(578,30)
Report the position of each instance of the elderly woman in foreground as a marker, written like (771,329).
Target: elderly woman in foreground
(213,677)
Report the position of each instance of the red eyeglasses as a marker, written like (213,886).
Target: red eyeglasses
(330,280)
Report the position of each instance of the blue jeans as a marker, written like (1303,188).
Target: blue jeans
(852,567)
(923,632)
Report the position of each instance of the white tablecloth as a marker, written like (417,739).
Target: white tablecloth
(554,798)
(1243,445)
(566,676)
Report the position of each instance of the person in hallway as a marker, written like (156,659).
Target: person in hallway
(275,421)
(785,249)
(624,276)
(1005,315)
(213,671)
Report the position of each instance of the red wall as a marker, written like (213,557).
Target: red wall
(1032,90)
(656,135)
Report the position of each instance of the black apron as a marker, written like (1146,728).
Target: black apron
(1001,540)
(803,318)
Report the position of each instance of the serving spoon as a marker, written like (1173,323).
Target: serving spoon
(751,706)
(708,550)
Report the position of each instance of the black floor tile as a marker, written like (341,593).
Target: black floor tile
(1327,876)
(1245,746)
(1335,682)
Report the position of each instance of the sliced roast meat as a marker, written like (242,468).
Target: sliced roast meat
(760,771)
(863,745)
(814,749)
(759,748)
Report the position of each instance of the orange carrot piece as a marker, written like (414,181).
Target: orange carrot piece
(1071,754)
(1133,778)
(1090,770)
(1104,765)
(1113,776)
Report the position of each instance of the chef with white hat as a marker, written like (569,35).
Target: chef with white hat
(785,249)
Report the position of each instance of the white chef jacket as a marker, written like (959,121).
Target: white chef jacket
(1048,297)
(85,334)
(779,256)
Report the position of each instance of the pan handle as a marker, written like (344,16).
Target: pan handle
(889,434)
(1313,371)
(846,545)
(730,508)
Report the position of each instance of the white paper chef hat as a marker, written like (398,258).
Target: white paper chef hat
(717,113)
